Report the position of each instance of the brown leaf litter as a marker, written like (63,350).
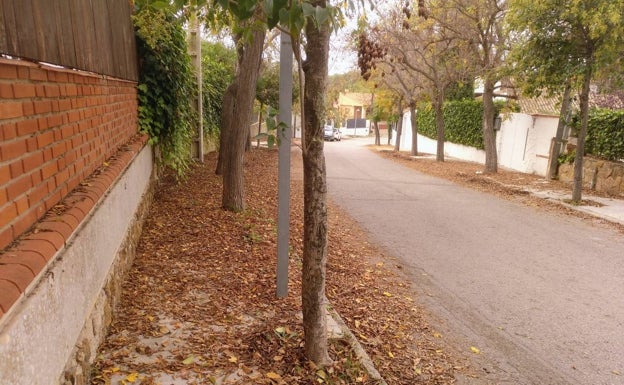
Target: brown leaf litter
(199,304)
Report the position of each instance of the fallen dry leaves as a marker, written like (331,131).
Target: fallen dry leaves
(199,304)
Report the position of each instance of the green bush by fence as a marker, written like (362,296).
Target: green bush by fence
(605,134)
(462,122)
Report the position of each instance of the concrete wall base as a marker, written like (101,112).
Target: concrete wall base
(77,370)
(53,334)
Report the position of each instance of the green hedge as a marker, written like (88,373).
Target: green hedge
(605,134)
(462,122)
(425,119)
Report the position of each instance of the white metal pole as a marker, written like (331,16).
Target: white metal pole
(283,195)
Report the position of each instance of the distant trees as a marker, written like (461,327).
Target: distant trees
(350,81)
(556,46)
(267,91)
(480,25)
(218,66)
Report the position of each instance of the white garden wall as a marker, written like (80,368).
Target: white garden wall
(523,143)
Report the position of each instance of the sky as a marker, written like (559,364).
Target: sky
(342,57)
(342,54)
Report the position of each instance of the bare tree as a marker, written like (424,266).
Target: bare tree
(479,23)
(425,60)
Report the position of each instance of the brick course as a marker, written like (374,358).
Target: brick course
(57,127)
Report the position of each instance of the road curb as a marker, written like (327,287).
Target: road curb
(360,353)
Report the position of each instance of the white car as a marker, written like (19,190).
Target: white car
(330,133)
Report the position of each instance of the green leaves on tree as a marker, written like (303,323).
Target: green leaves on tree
(273,128)
(218,64)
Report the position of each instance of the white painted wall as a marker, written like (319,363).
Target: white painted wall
(39,334)
(545,129)
(523,143)
(357,131)
(360,131)
(512,142)
(429,146)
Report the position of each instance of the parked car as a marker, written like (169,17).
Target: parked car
(331,133)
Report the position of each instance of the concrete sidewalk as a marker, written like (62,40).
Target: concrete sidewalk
(610,209)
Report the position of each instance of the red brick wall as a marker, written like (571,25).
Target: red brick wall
(57,127)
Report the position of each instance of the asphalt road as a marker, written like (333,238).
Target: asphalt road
(541,295)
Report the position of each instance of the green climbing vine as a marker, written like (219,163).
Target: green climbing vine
(166,86)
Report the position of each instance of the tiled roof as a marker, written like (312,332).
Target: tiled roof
(551,105)
(539,105)
(613,101)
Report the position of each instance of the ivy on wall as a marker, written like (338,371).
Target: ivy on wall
(605,134)
(166,86)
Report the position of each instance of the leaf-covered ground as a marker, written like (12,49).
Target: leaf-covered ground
(199,304)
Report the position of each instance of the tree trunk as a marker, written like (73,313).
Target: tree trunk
(438,106)
(397,141)
(238,128)
(377,135)
(315,194)
(577,188)
(555,149)
(227,113)
(489,136)
(390,133)
(414,129)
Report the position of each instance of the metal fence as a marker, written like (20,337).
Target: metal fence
(91,35)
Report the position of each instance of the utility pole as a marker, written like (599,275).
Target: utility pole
(194,43)
(284,139)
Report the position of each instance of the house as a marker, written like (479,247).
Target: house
(352,107)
